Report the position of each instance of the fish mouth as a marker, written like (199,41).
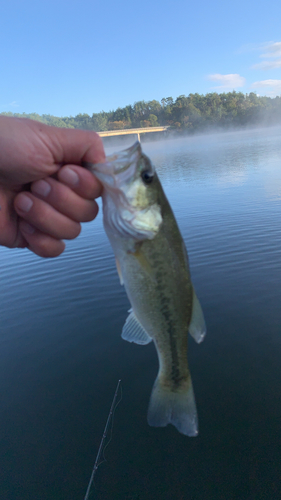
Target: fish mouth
(118,168)
(120,162)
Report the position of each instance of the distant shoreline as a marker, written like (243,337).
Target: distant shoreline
(190,114)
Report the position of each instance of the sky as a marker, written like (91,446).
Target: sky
(69,57)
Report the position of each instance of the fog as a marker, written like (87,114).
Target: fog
(208,138)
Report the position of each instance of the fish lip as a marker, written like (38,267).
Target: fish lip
(124,159)
(117,162)
(116,169)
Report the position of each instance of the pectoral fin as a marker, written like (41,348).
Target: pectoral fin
(134,332)
(197,327)
(141,258)
(118,267)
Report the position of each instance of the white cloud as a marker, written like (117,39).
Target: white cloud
(252,47)
(227,82)
(267,83)
(13,104)
(268,65)
(273,87)
(271,51)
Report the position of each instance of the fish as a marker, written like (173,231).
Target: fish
(152,264)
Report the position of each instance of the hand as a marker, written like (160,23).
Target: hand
(44,192)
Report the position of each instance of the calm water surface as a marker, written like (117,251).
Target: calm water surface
(61,353)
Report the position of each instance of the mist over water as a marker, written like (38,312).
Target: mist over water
(61,352)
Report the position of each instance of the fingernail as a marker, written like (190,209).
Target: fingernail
(69,176)
(24,203)
(41,187)
(27,228)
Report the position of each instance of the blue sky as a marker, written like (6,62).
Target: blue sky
(72,57)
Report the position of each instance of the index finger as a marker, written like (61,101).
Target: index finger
(80,180)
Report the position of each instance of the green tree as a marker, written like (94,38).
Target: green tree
(185,113)
(117,125)
(99,121)
(153,120)
(154,107)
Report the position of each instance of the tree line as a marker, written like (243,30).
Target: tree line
(195,112)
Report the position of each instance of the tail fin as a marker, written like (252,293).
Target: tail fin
(173,407)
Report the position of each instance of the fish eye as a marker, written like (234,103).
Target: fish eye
(147,176)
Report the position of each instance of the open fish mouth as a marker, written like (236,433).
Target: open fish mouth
(117,174)
(118,168)
(120,162)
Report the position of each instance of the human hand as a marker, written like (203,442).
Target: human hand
(44,191)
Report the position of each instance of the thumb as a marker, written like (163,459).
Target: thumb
(74,146)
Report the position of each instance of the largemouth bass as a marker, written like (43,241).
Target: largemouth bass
(152,263)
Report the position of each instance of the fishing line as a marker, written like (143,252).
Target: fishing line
(110,415)
(111,430)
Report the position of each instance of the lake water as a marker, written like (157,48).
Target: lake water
(61,353)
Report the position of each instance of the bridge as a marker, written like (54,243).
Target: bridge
(136,131)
